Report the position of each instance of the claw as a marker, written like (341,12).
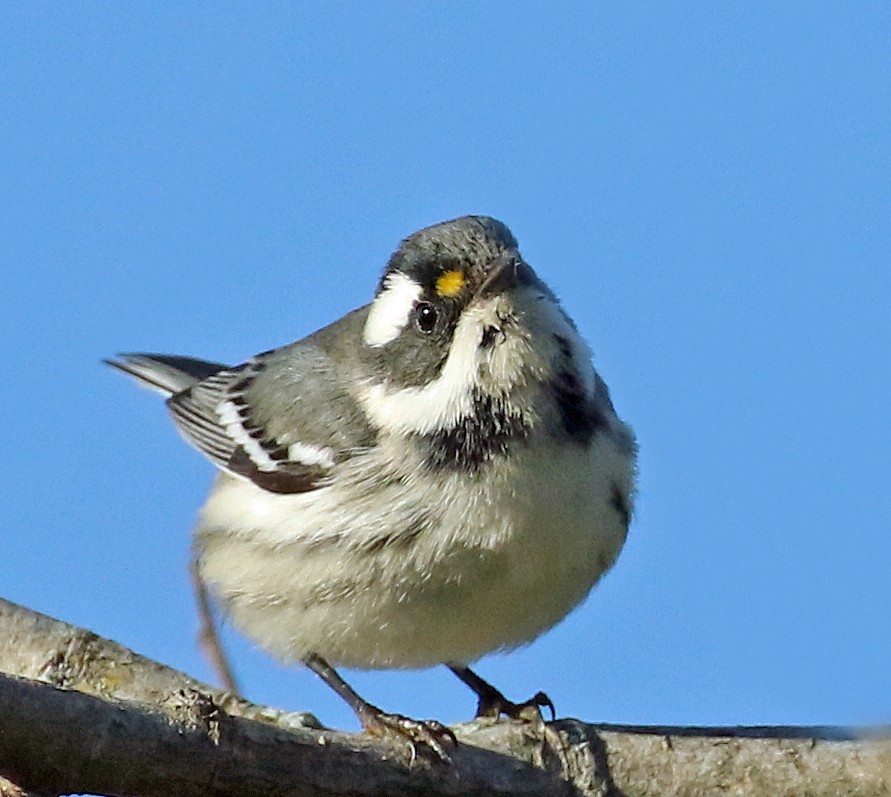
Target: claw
(420,734)
(529,711)
(539,701)
(492,703)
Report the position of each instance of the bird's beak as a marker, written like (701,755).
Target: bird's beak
(509,273)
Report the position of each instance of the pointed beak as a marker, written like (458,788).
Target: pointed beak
(510,273)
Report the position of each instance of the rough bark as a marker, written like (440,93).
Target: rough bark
(79,713)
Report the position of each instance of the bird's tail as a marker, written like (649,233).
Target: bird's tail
(164,373)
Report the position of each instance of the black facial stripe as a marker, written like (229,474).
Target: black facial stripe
(488,431)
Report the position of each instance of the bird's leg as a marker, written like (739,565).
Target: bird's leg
(423,734)
(493,704)
(209,640)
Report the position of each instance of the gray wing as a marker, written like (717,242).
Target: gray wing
(283,419)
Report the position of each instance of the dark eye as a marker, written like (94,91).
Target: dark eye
(425,317)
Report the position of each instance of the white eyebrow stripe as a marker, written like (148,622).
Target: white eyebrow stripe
(391,309)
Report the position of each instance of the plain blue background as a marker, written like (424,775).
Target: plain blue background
(707,186)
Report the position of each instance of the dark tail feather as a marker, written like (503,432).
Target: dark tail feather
(164,373)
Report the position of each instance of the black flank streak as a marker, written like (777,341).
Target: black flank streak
(579,415)
(489,431)
(563,345)
(620,504)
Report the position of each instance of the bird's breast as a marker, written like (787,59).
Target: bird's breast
(412,567)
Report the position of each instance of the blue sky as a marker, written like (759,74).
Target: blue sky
(707,186)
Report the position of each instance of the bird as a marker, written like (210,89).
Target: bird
(435,476)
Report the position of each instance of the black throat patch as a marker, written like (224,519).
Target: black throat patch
(487,432)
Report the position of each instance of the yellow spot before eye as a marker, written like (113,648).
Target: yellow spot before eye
(450,284)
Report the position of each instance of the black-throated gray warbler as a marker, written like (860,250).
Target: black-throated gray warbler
(434,476)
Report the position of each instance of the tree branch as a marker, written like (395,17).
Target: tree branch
(83,714)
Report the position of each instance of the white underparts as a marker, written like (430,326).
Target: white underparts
(492,565)
(391,309)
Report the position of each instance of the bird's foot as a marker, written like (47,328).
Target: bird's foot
(421,735)
(494,704)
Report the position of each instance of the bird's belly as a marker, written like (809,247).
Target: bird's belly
(435,574)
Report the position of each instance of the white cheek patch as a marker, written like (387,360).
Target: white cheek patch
(391,309)
(441,403)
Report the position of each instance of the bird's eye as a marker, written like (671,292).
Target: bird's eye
(426,316)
